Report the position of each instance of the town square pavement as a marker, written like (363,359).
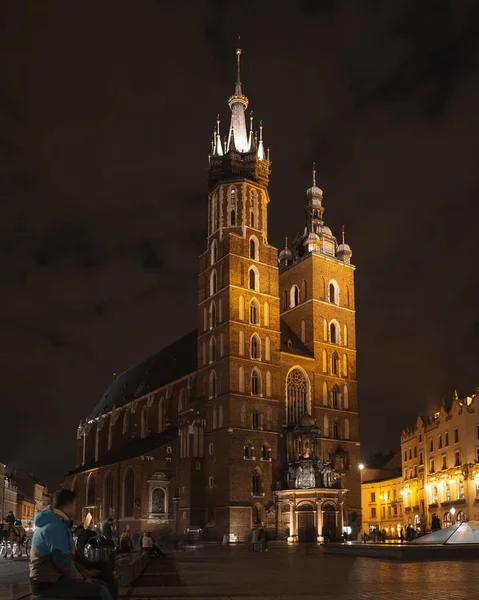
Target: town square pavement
(303,572)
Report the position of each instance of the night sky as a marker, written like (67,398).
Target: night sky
(106,114)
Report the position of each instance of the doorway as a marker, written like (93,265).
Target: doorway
(329,523)
(306,525)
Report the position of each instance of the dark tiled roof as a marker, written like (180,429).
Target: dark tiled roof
(173,362)
(132,449)
(297,347)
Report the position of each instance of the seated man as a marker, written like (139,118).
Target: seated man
(52,571)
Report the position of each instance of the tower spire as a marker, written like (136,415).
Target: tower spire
(218,147)
(314,174)
(261,145)
(238,104)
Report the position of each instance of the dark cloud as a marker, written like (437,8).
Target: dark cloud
(106,117)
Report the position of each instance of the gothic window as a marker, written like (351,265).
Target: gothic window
(269,385)
(266,452)
(254,313)
(297,395)
(126,421)
(241,343)
(335,397)
(253,279)
(336,430)
(90,491)
(333,333)
(212,315)
(325,393)
(333,292)
(212,349)
(214,201)
(241,308)
(303,331)
(266,314)
(267,348)
(256,419)
(129,494)
(255,348)
(294,296)
(233,217)
(345,365)
(257,515)
(158,503)
(253,248)
(335,364)
(257,486)
(347,432)
(345,397)
(345,335)
(108,497)
(248,451)
(325,361)
(212,390)
(213,282)
(255,383)
(143,422)
(161,410)
(253,209)
(214,252)
(232,207)
(241,381)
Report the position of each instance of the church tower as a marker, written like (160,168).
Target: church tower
(238,330)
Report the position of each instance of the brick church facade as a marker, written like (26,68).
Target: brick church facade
(252,419)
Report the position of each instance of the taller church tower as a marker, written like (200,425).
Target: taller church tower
(239,330)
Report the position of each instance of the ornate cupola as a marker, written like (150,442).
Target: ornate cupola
(243,154)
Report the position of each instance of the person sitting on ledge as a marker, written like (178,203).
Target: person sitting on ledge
(53,573)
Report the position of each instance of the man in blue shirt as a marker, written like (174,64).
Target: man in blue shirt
(53,573)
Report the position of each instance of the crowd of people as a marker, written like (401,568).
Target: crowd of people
(59,563)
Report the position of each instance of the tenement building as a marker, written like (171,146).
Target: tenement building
(439,480)
(252,419)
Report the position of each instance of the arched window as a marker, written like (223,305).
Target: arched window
(213,390)
(232,206)
(325,394)
(255,348)
(345,397)
(241,343)
(241,308)
(266,452)
(182,398)
(447,519)
(335,364)
(335,397)
(212,314)
(336,430)
(158,501)
(257,486)
(248,451)
(326,426)
(241,381)
(161,412)
(267,348)
(212,349)
(256,419)
(126,422)
(325,361)
(233,217)
(347,433)
(333,334)
(108,496)
(266,314)
(325,330)
(345,340)
(269,384)
(144,422)
(461,516)
(91,491)
(254,312)
(297,395)
(253,248)
(304,290)
(214,201)
(129,494)
(253,279)
(294,296)
(303,331)
(333,292)
(213,282)
(255,382)
(214,251)
(257,515)
(345,365)
(253,209)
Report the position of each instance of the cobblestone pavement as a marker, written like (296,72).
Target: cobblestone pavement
(305,573)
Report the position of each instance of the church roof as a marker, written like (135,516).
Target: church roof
(133,449)
(173,362)
(291,343)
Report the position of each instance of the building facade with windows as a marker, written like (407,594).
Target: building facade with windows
(252,419)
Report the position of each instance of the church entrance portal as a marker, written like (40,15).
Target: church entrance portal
(329,523)
(306,528)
